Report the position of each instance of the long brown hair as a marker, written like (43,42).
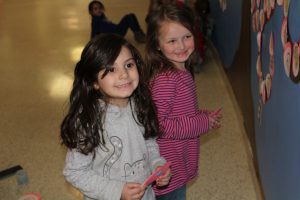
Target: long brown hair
(154,59)
(82,127)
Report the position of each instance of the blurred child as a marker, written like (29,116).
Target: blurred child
(101,24)
(202,8)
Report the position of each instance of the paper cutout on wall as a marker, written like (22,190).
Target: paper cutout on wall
(286,4)
(268,85)
(284,31)
(271,44)
(259,42)
(295,75)
(263,91)
(259,68)
(257,15)
(262,20)
(287,57)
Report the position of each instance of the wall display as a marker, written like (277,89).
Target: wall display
(261,13)
(291,50)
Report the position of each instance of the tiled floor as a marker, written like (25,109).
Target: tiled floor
(40,42)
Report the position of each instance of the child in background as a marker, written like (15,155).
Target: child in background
(169,48)
(100,23)
(111,126)
(202,8)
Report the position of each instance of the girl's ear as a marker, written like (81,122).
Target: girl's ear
(96,86)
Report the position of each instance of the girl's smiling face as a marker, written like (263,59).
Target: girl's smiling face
(121,80)
(176,42)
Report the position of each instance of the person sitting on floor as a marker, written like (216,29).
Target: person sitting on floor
(101,24)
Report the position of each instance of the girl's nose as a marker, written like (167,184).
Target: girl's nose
(123,73)
(181,44)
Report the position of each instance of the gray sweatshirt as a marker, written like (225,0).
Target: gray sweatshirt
(128,158)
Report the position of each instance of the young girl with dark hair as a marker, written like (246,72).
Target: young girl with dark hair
(111,126)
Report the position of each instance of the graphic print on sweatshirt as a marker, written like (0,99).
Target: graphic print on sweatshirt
(135,171)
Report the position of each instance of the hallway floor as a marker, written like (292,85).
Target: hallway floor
(40,42)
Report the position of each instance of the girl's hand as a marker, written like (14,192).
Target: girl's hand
(164,179)
(132,191)
(215,119)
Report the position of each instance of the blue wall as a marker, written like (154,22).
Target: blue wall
(226,29)
(278,134)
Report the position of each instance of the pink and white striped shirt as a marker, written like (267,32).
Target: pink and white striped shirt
(182,122)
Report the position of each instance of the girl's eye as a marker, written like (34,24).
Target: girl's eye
(129,65)
(171,41)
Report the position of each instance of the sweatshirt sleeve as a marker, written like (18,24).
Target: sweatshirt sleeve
(179,126)
(154,155)
(79,173)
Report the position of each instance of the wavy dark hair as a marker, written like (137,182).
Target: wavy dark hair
(82,127)
(155,60)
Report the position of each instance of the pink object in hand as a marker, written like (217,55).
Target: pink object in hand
(160,171)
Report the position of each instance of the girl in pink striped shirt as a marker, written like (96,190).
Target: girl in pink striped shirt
(169,51)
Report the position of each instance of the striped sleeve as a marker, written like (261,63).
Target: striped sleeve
(179,125)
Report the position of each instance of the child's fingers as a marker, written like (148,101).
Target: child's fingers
(164,179)
(138,195)
(214,122)
(134,190)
